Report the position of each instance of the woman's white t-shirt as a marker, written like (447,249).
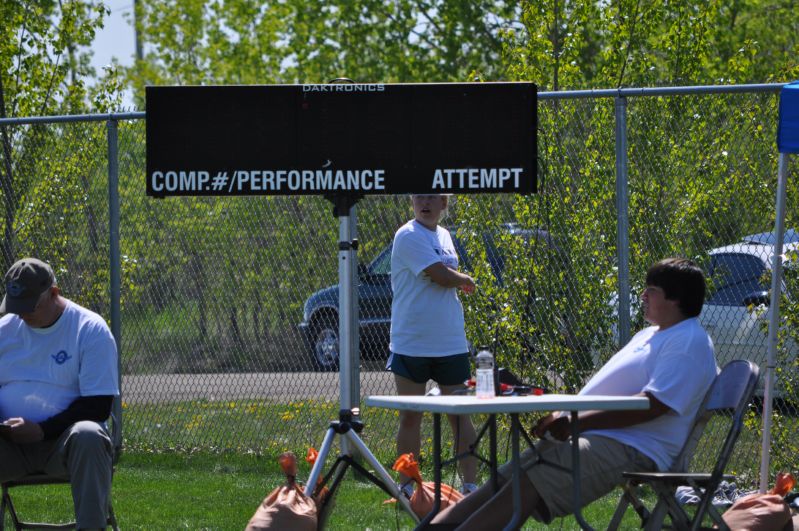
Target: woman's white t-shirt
(426,318)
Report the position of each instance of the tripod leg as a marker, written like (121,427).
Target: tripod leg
(390,485)
(316,471)
(337,472)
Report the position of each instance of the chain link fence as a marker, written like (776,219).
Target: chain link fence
(229,305)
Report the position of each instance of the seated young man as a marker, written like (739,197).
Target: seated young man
(670,362)
(58,380)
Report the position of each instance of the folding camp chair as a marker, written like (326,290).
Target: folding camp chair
(6,503)
(731,390)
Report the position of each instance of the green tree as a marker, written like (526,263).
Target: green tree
(234,42)
(560,44)
(755,41)
(43,68)
(686,154)
(302,41)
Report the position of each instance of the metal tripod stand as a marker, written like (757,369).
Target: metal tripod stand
(348,426)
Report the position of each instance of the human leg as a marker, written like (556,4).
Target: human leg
(459,512)
(602,462)
(498,511)
(410,425)
(84,452)
(450,372)
(484,509)
(464,437)
(546,491)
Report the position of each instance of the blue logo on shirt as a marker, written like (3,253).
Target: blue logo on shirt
(62,357)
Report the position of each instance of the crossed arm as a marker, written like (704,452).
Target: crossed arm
(450,278)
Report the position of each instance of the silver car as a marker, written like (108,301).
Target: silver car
(737,311)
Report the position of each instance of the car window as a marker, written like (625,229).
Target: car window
(382,264)
(733,277)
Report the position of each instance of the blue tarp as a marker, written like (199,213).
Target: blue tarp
(788,129)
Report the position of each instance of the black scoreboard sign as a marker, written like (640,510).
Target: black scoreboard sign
(331,139)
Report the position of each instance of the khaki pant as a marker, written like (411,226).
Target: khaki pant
(82,454)
(602,461)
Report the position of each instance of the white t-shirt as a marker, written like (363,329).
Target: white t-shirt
(43,370)
(677,367)
(426,318)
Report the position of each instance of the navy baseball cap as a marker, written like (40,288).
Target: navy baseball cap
(25,282)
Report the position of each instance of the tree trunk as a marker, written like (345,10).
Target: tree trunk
(234,328)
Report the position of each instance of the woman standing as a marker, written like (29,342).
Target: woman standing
(428,341)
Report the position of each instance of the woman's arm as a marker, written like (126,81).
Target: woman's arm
(449,278)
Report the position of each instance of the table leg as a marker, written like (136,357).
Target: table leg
(576,484)
(515,521)
(492,449)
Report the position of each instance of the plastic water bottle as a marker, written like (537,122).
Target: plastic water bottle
(485,375)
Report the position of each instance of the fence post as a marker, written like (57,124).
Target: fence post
(115,283)
(622,221)
(355,368)
(774,320)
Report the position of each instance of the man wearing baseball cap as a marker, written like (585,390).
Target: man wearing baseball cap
(58,379)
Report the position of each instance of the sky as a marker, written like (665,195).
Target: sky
(116,39)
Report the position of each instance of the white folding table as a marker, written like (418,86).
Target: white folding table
(513,406)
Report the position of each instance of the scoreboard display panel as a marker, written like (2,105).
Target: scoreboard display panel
(343,138)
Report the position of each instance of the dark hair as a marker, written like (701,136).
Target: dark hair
(681,280)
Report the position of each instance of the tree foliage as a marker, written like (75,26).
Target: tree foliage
(692,171)
(206,280)
(313,41)
(44,66)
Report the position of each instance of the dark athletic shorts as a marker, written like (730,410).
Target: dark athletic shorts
(444,370)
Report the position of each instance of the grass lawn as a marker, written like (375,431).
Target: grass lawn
(190,486)
(221,491)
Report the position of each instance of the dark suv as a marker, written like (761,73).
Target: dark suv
(319,327)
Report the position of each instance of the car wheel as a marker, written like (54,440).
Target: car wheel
(325,345)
